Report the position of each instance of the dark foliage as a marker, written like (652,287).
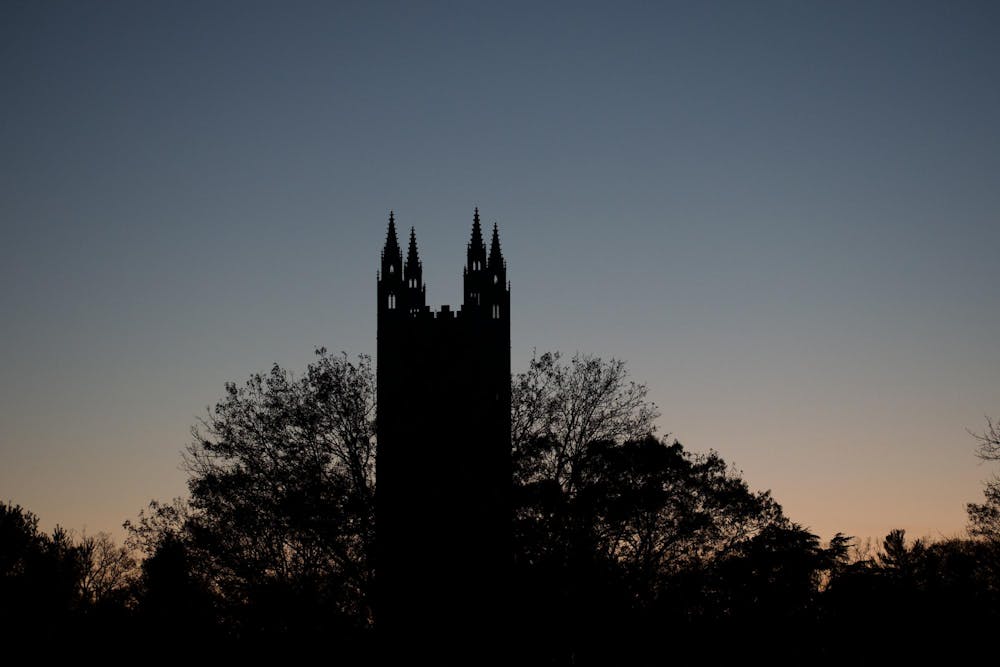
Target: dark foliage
(38,575)
(273,545)
(920,602)
(628,548)
(57,587)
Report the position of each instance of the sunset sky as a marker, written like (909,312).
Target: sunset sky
(784,217)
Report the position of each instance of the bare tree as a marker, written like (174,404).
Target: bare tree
(984,518)
(989,441)
(107,570)
(158,523)
(557,409)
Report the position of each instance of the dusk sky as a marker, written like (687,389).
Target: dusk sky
(784,217)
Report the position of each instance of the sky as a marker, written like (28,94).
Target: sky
(783,216)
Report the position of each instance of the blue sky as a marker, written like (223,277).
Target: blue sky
(784,216)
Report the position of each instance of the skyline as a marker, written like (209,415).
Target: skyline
(784,220)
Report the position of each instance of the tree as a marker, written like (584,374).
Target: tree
(279,522)
(911,588)
(984,518)
(173,599)
(617,531)
(632,544)
(107,570)
(39,576)
(582,438)
(896,558)
(557,409)
(776,576)
(614,529)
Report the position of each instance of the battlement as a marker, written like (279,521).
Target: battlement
(402,294)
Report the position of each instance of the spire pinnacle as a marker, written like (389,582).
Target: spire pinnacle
(412,257)
(391,250)
(390,237)
(496,257)
(477,232)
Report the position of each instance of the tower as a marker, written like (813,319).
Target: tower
(443,513)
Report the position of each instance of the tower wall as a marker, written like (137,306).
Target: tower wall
(444,467)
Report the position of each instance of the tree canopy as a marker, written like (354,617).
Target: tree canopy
(279,522)
(568,406)
(60,585)
(627,546)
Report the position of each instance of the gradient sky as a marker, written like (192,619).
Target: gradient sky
(785,218)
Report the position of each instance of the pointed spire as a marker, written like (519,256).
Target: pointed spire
(496,257)
(413,279)
(412,258)
(477,232)
(392,258)
(391,242)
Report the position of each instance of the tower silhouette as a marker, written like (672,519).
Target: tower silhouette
(443,514)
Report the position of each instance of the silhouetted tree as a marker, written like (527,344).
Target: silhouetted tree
(107,570)
(615,557)
(623,539)
(174,598)
(899,560)
(876,607)
(158,523)
(984,518)
(558,409)
(279,523)
(39,577)
(628,549)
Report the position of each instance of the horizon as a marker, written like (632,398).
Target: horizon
(782,218)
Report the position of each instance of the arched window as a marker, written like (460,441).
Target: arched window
(392,268)
(496,312)
(495,280)
(392,301)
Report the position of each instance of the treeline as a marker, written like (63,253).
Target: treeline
(779,596)
(657,556)
(61,586)
(628,548)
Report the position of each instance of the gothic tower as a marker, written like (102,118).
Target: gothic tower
(443,513)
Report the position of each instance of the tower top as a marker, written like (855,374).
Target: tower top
(412,257)
(496,256)
(477,233)
(391,241)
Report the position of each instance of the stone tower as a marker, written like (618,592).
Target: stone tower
(443,512)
